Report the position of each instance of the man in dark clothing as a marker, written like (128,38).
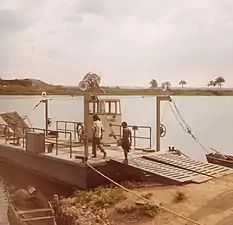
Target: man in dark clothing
(126,140)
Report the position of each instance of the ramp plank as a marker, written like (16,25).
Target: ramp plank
(169,172)
(207,169)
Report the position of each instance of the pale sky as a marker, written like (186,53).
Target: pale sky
(128,42)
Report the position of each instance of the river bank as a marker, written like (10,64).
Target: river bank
(208,203)
(115,91)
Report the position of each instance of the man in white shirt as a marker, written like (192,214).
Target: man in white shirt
(98,130)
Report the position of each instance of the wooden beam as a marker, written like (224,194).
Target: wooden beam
(86,113)
(35,211)
(158,101)
(157,124)
(38,218)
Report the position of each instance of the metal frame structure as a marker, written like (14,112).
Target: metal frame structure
(86,98)
(160,95)
(159,99)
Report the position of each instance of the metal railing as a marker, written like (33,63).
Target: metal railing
(14,134)
(135,130)
(66,128)
(63,125)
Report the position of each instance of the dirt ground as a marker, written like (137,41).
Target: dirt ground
(209,203)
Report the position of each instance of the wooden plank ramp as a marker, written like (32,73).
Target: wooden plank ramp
(208,169)
(169,172)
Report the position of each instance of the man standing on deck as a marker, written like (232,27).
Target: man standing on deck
(97,136)
(126,140)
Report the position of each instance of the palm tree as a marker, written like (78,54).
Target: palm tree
(211,83)
(182,83)
(153,83)
(219,81)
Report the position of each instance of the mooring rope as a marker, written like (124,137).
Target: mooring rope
(146,200)
(185,128)
(181,117)
(32,110)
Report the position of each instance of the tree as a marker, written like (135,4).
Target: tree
(219,81)
(211,83)
(153,83)
(182,83)
(165,85)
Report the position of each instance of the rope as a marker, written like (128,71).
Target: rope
(146,200)
(178,120)
(136,164)
(36,105)
(32,109)
(186,128)
(181,117)
(215,150)
(27,116)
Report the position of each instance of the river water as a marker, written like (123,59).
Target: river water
(210,118)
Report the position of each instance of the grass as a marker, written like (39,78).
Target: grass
(140,208)
(143,209)
(179,196)
(147,195)
(101,205)
(100,197)
(20,90)
(92,206)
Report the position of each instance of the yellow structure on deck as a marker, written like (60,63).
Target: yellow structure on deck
(109,112)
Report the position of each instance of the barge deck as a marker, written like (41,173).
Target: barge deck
(65,165)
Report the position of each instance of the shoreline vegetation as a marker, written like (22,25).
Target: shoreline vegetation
(210,204)
(36,87)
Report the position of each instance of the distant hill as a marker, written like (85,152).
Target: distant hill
(24,83)
(38,82)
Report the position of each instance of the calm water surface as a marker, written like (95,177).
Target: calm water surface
(211,120)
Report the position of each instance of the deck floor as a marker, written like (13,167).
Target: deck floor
(160,164)
(113,152)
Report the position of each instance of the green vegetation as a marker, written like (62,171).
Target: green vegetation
(36,87)
(179,196)
(182,83)
(217,82)
(91,206)
(143,209)
(103,206)
(153,84)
